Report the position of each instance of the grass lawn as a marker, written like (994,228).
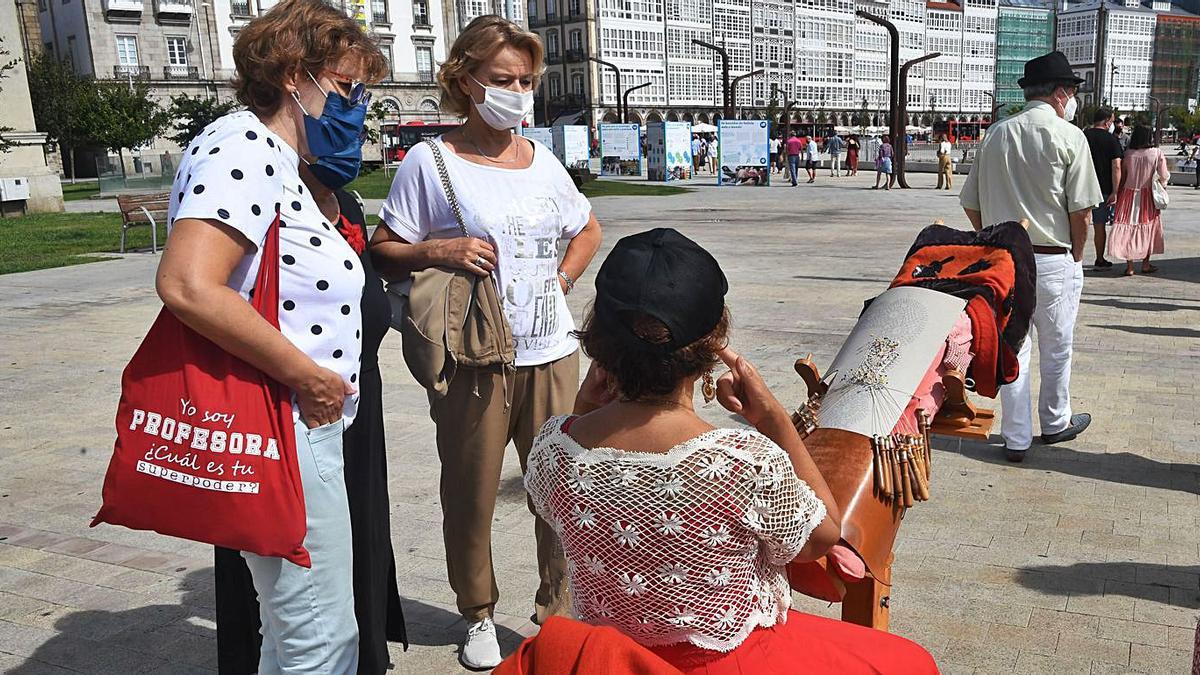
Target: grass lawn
(373,185)
(83,189)
(612,188)
(45,240)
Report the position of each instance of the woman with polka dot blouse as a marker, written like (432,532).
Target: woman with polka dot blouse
(518,204)
(300,69)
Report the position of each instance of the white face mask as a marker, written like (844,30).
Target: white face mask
(503,109)
(1070,108)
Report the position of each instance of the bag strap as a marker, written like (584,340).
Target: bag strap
(447,186)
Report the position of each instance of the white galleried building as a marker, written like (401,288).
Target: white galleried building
(830,64)
(1111,46)
(186,47)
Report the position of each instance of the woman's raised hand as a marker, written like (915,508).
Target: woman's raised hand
(742,391)
(467,253)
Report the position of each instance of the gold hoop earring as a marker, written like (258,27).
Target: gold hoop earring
(708,387)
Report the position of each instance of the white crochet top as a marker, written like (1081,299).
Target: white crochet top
(682,546)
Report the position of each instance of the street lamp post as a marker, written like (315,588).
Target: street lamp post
(900,142)
(625,99)
(726,104)
(1157,119)
(1112,81)
(894,65)
(733,85)
(617,71)
(995,106)
(787,109)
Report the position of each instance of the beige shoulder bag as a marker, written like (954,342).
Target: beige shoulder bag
(450,317)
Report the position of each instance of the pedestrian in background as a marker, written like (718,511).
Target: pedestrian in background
(812,155)
(776,160)
(1137,230)
(518,204)
(945,157)
(1106,157)
(1036,166)
(714,155)
(835,146)
(697,153)
(852,149)
(883,163)
(794,147)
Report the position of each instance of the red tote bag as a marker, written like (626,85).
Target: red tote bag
(206,448)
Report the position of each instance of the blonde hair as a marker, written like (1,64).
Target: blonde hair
(292,36)
(479,42)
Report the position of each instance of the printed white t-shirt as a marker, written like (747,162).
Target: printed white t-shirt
(238,172)
(523,213)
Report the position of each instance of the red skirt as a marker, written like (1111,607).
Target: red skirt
(806,644)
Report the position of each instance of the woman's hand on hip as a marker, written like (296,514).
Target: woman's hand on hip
(321,396)
(467,253)
(742,391)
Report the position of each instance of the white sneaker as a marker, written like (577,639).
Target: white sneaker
(481,651)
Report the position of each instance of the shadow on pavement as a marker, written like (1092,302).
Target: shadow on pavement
(1139,306)
(436,627)
(1160,331)
(1144,581)
(174,638)
(1114,467)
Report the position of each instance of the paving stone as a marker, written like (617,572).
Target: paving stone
(1087,545)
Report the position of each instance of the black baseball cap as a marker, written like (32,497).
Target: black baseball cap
(662,274)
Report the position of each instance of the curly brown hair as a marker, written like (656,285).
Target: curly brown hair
(641,373)
(294,36)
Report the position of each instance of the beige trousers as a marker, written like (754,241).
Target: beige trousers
(945,172)
(474,428)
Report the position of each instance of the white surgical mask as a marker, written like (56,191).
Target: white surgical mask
(503,109)
(1070,108)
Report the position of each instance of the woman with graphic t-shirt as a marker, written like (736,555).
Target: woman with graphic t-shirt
(300,72)
(518,204)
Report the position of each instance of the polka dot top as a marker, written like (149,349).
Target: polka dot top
(238,172)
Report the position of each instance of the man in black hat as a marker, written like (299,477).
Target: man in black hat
(1036,166)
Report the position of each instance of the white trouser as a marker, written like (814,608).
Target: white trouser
(835,164)
(1059,284)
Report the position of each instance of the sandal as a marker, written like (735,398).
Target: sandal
(1128,271)
(1149,269)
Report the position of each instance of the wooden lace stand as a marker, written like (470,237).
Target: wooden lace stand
(866,603)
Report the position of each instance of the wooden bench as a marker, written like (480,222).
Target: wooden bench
(139,210)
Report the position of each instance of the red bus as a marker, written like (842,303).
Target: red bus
(397,139)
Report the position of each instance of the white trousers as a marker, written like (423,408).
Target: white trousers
(1059,284)
(835,165)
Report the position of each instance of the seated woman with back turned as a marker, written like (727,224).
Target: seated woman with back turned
(676,532)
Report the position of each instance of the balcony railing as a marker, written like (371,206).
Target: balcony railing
(567,101)
(576,55)
(128,8)
(180,73)
(553,58)
(240,8)
(136,72)
(173,10)
(425,76)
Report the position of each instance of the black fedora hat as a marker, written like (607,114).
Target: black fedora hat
(1052,67)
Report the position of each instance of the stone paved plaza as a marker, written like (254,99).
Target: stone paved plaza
(1084,559)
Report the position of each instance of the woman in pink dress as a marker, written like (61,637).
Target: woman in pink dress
(1137,232)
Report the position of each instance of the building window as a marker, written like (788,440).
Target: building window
(425,63)
(577,84)
(575,40)
(177,51)
(421,13)
(127,53)
(379,13)
(552,43)
(573,7)
(555,86)
(240,7)
(386,50)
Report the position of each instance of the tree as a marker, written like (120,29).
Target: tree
(5,67)
(191,114)
(773,111)
(63,105)
(127,116)
(863,117)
